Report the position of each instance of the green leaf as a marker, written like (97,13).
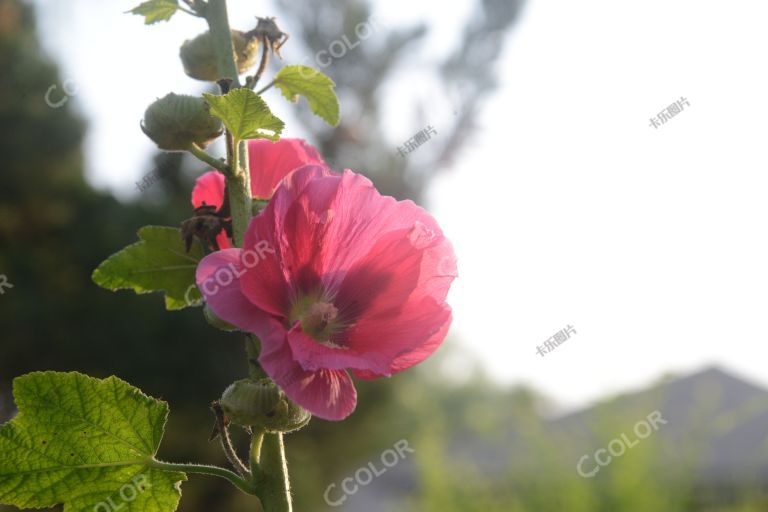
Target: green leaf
(315,86)
(159,262)
(86,443)
(156,10)
(245,115)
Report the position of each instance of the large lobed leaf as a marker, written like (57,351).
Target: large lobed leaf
(86,443)
(315,86)
(159,262)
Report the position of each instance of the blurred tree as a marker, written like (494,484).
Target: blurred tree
(361,141)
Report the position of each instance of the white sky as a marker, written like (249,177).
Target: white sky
(567,207)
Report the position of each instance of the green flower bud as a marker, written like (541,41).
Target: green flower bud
(177,121)
(217,322)
(199,58)
(262,404)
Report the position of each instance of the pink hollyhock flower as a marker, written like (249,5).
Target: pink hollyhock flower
(269,162)
(334,277)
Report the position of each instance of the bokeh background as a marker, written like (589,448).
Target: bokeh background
(565,205)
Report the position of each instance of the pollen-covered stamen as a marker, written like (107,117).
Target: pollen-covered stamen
(318,318)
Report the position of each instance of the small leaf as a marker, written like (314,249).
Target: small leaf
(315,86)
(245,115)
(156,10)
(86,443)
(159,262)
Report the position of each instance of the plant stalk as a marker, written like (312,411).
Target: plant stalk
(239,180)
(240,483)
(269,468)
(274,487)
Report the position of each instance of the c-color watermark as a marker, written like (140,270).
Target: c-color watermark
(127,494)
(339,47)
(69,88)
(4,284)
(642,430)
(224,276)
(364,476)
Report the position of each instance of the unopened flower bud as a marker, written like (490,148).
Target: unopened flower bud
(177,121)
(262,404)
(199,57)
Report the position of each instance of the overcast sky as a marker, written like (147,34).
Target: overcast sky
(568,207)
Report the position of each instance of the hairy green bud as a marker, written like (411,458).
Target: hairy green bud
(199,58)
(262,404)
(176,121)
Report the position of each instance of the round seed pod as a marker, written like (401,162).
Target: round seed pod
(199,59)
(262,404)
(177,121)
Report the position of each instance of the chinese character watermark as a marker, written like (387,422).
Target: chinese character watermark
(4,284)
(364,476)
(149,179)
(669,112)
(555,340)
(69,88)
(417,140)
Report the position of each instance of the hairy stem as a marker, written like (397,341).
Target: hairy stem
(201,155)
(218,24)
(226,441)
(257,442)
(202,469)
(273,484)
(265,47)
(239,180)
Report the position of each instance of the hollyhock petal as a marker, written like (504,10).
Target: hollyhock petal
(339,218)
(313,356)
(328,394)
(411,331)
(216,278)
(270,162)
(410,357)
(209,190)
(268,285)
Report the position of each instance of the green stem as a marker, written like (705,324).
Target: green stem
(218,24)
(202,469)
(216,163)
(257,442)
(273,484)
(239,180)
(188,11)
(270,84)
(239,189)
